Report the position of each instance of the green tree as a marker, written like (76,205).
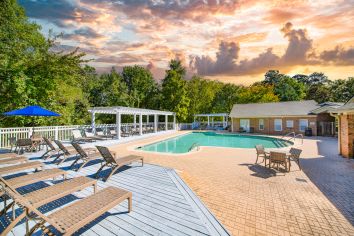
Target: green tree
(31,73)
(289,89)
(141,85)
(342,90)
(174,91)
(226,97)
(201,93)
(258,93)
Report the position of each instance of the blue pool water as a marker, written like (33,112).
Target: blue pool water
(183,143)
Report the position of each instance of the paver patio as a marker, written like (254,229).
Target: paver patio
(250,199)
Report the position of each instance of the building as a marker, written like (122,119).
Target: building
(345,115)
(279,118)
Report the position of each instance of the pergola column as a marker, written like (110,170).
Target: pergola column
(140,124)
(147,119)
(134,121)
(208,121)
(93,125)
(118,124)
(166,122)
(223,121)
(212,121)
(155,123)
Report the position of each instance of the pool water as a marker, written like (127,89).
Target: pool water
(185,143)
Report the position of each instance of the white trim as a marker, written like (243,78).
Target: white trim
(281,125)
(127,111)
(307,122)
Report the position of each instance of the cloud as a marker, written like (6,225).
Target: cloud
(120,59)
(298,47)
(338,56)
(58,12)
(85,32)
(299,51)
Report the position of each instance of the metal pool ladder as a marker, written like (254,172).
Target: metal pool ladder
(194,145)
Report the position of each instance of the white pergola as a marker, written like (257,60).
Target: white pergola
(212,115)
(119,111)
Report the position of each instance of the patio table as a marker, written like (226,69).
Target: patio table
(287,153)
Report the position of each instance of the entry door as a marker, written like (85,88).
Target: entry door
(245,124)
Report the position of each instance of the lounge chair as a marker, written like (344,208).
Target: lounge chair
(77,137)
(93,136)
(52,151)
(13,160)
(84,156)
(262,153)
(115,163)
(20,167)
(101,134)
(68,152)
(278,158)
(35,177)
(8,155)
(71,218)
(43,196)
(295,156)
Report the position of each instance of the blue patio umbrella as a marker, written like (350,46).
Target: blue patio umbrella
(31,111)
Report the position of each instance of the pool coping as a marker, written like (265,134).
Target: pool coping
(135,147)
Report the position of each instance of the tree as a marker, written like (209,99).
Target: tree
(201,93)
(289,89)
(258,94)
(174,91)
(31,73)
(342,90)
(141,85)
(226,97)
(272,77)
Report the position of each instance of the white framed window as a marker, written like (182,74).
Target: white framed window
(289,124)
(303,124)
(278,126)
(245,124)
(261,124)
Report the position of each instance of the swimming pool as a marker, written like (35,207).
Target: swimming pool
(184,143)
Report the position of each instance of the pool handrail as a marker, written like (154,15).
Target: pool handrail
(194,145)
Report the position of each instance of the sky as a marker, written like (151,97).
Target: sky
(230,41)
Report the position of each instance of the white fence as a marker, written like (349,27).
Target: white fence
(60,132)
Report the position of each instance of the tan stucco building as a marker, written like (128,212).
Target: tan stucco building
(279,118)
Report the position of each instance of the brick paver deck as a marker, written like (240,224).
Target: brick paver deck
(250,199)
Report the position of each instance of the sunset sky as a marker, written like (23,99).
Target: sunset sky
(231,41)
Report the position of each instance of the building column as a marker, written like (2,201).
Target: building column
(118,124)
(155,123)
(174,122)
(232,125)
(93,125)
(339,135)
(140,124)
(166,122)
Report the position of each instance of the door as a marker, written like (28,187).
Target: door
(245,124)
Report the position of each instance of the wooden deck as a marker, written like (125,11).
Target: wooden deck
(162,204)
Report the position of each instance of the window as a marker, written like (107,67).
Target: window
(303,124)
(278,126)
(289,124)
(261,124)
(245,124)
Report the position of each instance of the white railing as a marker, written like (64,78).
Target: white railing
(62,132)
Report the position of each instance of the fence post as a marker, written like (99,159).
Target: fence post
(56,133)
(30,131)
(0,139)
